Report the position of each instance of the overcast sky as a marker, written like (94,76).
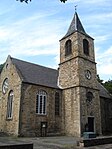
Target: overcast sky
(31,32)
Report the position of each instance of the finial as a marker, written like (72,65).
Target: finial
(75,8)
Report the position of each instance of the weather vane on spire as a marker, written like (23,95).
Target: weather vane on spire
(75,8)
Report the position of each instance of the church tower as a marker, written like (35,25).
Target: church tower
(77,78)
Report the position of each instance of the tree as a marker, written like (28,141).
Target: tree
(108,85)
(63,1)
(26,1)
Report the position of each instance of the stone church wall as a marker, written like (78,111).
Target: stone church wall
(72,111)
(68,74)
(30,121)
(75,83)
(90,109)
(106,116)
(10,126)
(78,109)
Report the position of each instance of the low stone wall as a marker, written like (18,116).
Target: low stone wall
(17,146)
(95,141)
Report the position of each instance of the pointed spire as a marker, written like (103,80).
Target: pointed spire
(75,25)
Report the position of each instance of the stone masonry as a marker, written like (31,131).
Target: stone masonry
(25,121)
(30,122)
(10,126)
(83,104)
(72,79)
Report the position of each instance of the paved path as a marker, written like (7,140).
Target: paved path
(62,142)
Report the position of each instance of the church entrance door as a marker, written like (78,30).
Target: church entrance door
(91,124)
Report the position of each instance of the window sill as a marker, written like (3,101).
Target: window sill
(9,119)
(41,114)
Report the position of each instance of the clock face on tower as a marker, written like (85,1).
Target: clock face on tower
(88,74)
(5,86)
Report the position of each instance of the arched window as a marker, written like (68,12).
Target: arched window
(57,103)
(5,86)
(41,102)
(10,105)
(86,46)
(68,47)
(89,96)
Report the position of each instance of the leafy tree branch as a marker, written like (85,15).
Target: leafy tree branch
(107,84)
(26,1)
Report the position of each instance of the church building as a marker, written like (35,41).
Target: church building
(40,101)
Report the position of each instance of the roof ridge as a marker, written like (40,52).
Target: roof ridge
(32,63)
(36,74)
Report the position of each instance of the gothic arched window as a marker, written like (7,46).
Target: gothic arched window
(10,105)
(57,103)
(68,47)
(86,46)
(41,102)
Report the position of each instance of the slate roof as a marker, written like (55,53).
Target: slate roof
(40,75)
(103,92)
(36,74)
(75,25)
